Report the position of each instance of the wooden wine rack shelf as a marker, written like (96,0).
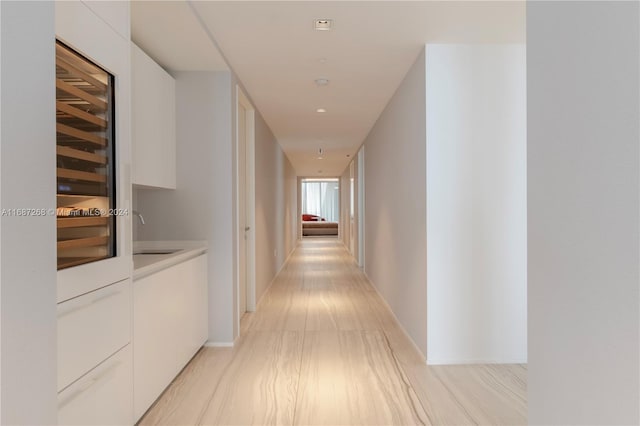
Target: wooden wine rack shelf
(82,222)
(65,151)
(78,175)
(82,242)
(67,262)
(94,101)
(81,134)
(66,61)
(80,114)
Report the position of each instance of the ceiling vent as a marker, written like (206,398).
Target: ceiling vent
(323,24)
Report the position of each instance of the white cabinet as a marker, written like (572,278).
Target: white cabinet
(91,328)
(169,326)
(153,123)
(95,377)
(94,322)
(90,32)
(101,397)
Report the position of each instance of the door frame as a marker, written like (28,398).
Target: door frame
(360,207)
(249,196)
(338,179)
(299,201)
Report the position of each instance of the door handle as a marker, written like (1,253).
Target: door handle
(247,228)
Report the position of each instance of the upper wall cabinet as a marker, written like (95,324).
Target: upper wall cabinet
(153,124)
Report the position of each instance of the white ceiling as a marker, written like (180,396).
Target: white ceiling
(277,54)
(171,34)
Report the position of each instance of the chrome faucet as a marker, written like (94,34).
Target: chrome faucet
(140,217)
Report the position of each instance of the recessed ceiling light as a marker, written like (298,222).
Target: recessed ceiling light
(321,110)
(322,81)
(322,60)
(323,24)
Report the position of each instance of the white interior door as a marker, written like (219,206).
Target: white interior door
(352,210)
(242,210)
(360,208)
(246,205)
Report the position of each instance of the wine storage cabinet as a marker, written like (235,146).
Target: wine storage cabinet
(85,159)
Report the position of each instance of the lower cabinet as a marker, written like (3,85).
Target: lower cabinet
(169,327)
(120,346)
(95,360)
(102,396)
(91,328)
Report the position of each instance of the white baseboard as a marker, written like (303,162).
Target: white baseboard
(444,361)
(286,260)
(407,335)
(460,361)
(210,344)
(353,257)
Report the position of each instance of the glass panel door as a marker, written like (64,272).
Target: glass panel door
(85,160)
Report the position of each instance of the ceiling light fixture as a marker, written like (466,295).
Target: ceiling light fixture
(321,110)
(323,24)
(322,81)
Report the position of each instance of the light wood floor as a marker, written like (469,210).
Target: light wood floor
(324,349)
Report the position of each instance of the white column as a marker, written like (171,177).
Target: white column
(583,212)
(27,243)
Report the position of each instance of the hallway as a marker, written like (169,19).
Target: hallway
(323,348)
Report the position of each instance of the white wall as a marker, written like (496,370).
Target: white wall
(276,206)
(395,204)
(201,206)
(476,204)
(27,243)
(278,171)
(583,209)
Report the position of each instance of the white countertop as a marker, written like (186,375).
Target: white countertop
(149,263)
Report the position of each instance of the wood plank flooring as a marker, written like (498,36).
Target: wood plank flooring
(323,349)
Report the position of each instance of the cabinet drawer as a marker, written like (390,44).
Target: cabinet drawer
(91,328)
(101,397)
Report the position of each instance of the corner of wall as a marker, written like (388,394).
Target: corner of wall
(395,220)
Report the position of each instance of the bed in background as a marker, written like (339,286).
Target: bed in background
(313,225)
